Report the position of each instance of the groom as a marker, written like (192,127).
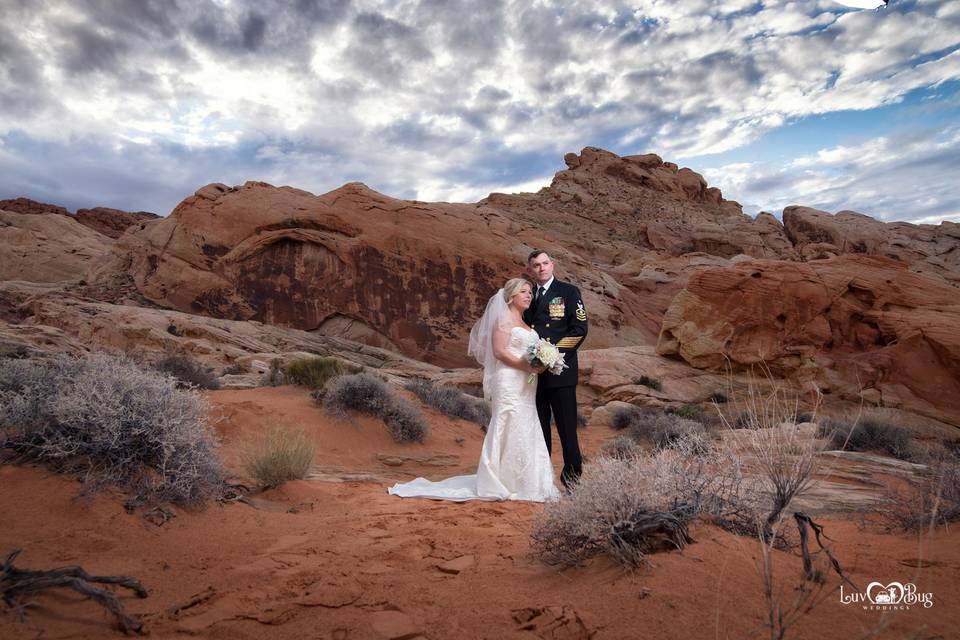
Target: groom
(557,315)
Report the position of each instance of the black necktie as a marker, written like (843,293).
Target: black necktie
(536,298)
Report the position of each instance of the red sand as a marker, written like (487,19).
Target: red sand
(325,559)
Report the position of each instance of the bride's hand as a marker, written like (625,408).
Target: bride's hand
(536,370)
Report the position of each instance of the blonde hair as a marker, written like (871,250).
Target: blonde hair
(512,288)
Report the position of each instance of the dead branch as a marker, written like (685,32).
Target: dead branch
(16,583)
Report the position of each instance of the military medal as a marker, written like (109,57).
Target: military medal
(557,309)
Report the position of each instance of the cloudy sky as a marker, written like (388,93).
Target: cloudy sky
(134,104)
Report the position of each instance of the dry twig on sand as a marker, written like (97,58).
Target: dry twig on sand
(15,583)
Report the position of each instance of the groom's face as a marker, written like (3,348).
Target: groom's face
(541,268)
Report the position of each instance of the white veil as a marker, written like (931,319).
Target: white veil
(495,317)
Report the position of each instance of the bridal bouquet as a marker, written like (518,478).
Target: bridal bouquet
(543,354)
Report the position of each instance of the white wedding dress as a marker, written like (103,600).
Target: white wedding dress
(514,463)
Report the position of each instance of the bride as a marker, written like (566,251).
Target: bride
(514,463)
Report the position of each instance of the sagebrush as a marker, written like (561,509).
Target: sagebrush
(870,432)
(112,422)
(451,401)
(627,507)
(187,371)
(368,394)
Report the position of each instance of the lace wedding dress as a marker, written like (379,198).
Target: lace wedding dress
(514,463)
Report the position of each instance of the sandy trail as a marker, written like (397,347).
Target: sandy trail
(325,558)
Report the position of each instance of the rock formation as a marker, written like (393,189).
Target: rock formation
(855,307)
(857,326)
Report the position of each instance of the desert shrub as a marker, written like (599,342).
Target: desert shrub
(274,376)
(282,454)
(172,330)
(626,417)
(717,397)
(931,499)
(785,456)
(870,433)
(367,394)
(647,381)
(187,371)
(316,372)
(474,390)
(451,401)
(113,423)
(690,411)
(621,447)
(629,507)
(665,429)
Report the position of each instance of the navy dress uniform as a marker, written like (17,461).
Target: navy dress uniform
(558,316)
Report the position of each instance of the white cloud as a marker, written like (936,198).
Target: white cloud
(890,178)
(443,98)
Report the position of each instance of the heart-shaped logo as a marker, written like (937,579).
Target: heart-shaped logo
(878,593)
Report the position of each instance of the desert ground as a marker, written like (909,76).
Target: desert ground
(334,556)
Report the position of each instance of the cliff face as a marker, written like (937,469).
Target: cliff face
(413,276)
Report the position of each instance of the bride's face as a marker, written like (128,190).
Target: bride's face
(522,298)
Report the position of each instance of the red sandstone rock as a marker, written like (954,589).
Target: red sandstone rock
(112,222)
(848,325)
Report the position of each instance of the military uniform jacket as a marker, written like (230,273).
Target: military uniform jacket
(560,318)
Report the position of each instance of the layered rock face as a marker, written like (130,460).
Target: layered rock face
(112,222)
(48,248)
(858,326)
(926,248)
(413,276)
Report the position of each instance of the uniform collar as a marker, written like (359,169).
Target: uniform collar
(546,286)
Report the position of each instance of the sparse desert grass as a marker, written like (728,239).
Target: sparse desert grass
(112,422)
(281,454)
(187,371)
(368,394)
(871,432)
(316,372)
(451,401)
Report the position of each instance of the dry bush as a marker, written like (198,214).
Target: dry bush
(650,382)
(690,411)
(625,417)
(785,455)
(367,394)
(316,372)
(451,401)
(666,428)
(113,423)
(282,454)
(621,448)
(626,508)
(187,371)
(871,432)
(932,499)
